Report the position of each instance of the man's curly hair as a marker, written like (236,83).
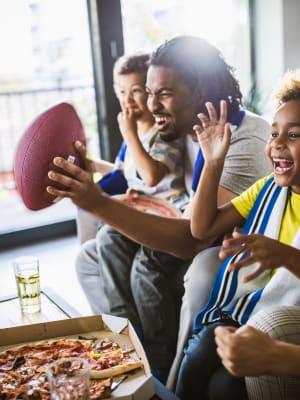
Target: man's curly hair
(288,88)
(202,67)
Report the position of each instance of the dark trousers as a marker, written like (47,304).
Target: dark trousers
(202,375)
(145,286)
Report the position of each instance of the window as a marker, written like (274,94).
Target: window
(225,24)
(45,59)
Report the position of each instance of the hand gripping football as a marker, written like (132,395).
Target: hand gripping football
(51,134)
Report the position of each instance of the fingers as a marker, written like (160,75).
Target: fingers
(67,167)
(58,192)
(129,112)
(223,339)
(223,331)
(236,243)
(237,233)
(126,112)
(227,131)
(257,271)
(232,246)
(82,153)
(73,173)
(80,148)
(212,113)
(237,238)
(205,122)
(62,180)
(247,260)
(223,112)
(212,118)
(197,129)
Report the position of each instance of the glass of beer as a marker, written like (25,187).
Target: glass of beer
(69,379)
(27,276)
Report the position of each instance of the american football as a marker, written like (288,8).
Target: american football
(51,134)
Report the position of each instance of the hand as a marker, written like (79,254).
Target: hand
(127,123)
(78,185)
(89,165)
(213,135)
(245,351)
(265,252)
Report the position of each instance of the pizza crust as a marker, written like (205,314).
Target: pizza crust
(151,205)
(115,370)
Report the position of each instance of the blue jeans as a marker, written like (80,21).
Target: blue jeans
(201,371)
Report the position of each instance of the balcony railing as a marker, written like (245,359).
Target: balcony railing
(18,109)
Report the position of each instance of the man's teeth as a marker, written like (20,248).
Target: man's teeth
(160,120)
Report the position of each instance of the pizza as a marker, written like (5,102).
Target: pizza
(150,205)
(23,369)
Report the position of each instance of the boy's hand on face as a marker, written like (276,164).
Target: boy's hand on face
(127,123)
(213,134)
(266,253)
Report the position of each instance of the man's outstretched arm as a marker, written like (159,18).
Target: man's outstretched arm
(170,235)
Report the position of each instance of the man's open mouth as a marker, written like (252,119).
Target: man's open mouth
(160,120)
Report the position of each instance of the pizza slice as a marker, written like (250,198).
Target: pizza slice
(109,359)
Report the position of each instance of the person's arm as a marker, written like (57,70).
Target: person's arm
(95,165)
(171,235)
(102,166)
(151,171)
(247,351)
(209,219)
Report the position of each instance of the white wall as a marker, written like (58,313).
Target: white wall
(277,44)
(269,52)
(291,34)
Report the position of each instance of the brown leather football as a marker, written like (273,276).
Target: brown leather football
(51,134)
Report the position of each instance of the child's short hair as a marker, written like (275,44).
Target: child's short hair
(289,88)
(130,64)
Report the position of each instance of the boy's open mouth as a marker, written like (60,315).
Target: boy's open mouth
(282,164)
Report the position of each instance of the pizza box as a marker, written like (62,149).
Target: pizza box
(138,385)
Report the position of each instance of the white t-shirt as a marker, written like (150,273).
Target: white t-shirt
(171,154)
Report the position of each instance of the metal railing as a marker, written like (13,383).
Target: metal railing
(18,109)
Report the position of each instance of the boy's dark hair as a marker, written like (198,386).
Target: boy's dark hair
(202,67)
(131,64)
(288,88)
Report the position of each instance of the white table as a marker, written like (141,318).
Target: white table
(53,308)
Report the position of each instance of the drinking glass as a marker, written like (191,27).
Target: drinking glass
(27,276)
(69,379)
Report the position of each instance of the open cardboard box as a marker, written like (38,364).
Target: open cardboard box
(139,384)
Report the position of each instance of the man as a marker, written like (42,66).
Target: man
(184,74)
